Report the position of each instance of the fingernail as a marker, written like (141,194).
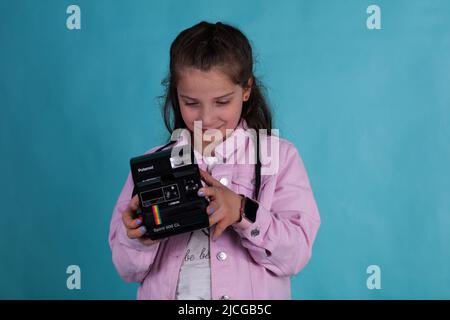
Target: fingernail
(200,193)
(211,210)
(143,230)
(138,222)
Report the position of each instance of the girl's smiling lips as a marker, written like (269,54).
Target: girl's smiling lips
(205,129)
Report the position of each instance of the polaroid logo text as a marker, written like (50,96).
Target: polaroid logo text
(145,169)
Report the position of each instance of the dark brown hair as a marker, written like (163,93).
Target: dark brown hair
(206,45)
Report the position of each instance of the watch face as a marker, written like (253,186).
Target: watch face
(250,209)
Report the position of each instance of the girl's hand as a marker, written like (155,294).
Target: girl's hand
(135,229)
(224,206)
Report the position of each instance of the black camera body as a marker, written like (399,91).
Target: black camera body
(167,182)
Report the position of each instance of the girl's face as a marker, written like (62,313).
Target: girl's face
(210,97)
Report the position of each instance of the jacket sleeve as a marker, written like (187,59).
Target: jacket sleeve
(131,258)
(287,219)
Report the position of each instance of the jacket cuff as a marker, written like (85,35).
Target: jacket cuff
(243,224)
(254,231)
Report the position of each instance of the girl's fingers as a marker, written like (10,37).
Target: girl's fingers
(211,208)
(215,218)
(128,220)
(136,233)
(218,230)
(128,214)
(134,203)
(207,191)
(209,179)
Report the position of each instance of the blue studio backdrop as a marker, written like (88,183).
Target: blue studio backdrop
(362,88)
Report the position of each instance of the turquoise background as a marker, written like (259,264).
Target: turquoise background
(369,111)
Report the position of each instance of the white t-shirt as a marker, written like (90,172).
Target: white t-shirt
(194,280)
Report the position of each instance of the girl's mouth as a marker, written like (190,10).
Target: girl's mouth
(206,129)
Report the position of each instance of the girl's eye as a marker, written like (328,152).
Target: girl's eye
(223,102)
(191,103)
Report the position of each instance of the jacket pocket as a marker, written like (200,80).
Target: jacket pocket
(245,184)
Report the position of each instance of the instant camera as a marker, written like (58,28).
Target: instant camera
(167,182)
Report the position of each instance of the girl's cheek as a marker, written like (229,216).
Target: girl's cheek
(232,114)
(189,115)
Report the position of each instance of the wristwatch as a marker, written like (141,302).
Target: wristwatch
(248,209)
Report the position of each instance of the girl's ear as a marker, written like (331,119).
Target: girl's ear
(247,90)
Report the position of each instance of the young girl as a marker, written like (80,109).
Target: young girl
(254,243)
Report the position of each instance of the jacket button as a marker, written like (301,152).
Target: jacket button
(224,181)
(224,297)
(254,232)
(210,161)
(221,256)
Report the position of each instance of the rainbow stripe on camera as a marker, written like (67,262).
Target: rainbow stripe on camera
(156,215)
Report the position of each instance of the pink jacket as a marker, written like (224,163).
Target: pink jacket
(247,262)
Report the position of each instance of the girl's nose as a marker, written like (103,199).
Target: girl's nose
(207,117)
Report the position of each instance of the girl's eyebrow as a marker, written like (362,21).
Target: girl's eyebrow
(224,96)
